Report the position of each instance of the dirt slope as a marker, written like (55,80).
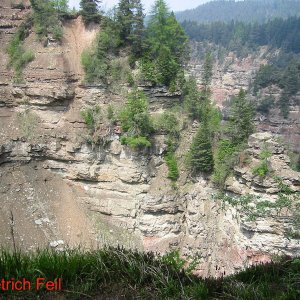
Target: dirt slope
(45,209)
(76,38)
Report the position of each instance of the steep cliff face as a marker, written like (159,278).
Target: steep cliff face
(64,191)
(232,73)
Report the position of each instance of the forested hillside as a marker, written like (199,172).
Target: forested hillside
(277,33)
(247,11)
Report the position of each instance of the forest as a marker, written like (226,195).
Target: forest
(277,33)
(248,11)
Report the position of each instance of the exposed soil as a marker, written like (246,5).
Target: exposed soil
(44,208)
(77,37)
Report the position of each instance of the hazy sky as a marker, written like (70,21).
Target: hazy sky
(175,5)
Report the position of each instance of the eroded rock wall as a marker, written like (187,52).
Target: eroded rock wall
(233,73)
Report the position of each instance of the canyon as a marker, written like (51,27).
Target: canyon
(62,191)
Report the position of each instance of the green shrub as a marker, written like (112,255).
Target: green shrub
(110,112)
(200,157)
(265,105)
(130,79)
(148,70)
(298,163)
(97,61)
(225,158)
(120,70)
(136,121)
(18,56)
(192,99)
(91,117)
(266,75)
(135,118)
(136,142)
(262,169)
(57,32)
(18,5)
(168,123)
(95,68)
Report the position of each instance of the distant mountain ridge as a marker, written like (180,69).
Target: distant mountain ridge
(250,11)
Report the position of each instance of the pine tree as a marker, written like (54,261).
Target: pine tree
(130,19)
(125,19)
(89,11)
(207,72)
(192,98)
(241,118)
(201,155)
(138,29)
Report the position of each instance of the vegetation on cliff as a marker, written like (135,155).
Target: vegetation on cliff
(135,120)
(201,154)
(214,148)
(165,48)
(159,49)
(233,136)
(46,22)
(253,207)
(19,57)
(285,75)
(47,18)
(119,273)
(89,11)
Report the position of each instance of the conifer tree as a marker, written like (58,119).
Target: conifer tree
(241,118)
(125,18)
(207,72)
(201,155)
(130,19)
(89,11)
(138,29)
(165,38)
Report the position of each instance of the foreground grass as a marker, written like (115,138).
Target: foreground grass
(113,273)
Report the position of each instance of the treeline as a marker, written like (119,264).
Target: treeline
(249,11)
(278,33)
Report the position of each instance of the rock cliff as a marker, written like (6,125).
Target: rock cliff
(63,191)
(232,73)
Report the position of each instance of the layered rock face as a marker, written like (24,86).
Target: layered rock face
(233,73)
(62,191)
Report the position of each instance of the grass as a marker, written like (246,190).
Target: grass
(116,273)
